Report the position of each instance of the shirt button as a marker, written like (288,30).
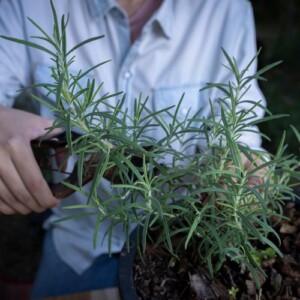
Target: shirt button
(127,74)
(184,111)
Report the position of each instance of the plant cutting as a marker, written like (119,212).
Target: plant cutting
(204,200)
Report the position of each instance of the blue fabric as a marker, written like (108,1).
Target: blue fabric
(178,52)
(54,277)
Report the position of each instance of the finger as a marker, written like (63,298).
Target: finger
(53,132)
(8,204)
(6,209)
(34,181)
(23,177)
(42,131)
(14,193)
(254,181)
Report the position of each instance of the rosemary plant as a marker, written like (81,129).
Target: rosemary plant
(205,198)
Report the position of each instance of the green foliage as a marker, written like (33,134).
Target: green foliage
(263,255)
(205,198)
(233,293)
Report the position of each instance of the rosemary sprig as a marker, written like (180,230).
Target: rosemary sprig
(205,198)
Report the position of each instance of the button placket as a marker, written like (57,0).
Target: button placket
(127,74)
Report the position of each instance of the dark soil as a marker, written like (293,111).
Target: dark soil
(161,277)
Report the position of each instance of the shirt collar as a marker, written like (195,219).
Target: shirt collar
(164,16)
(98,8)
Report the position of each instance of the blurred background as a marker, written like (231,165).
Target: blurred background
(278,33)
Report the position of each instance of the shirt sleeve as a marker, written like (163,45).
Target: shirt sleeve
(244,49)
(14,58)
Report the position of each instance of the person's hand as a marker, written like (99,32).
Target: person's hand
(256,174)
(23,188)
(257,177)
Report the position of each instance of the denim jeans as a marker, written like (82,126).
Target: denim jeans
(54,277)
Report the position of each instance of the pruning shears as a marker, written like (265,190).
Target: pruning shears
(59,142)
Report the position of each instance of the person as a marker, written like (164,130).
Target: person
(162,48)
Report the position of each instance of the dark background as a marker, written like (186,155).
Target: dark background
(278,33)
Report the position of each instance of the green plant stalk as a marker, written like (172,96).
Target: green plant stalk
(187,197)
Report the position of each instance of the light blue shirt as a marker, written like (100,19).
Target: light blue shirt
(178,52)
